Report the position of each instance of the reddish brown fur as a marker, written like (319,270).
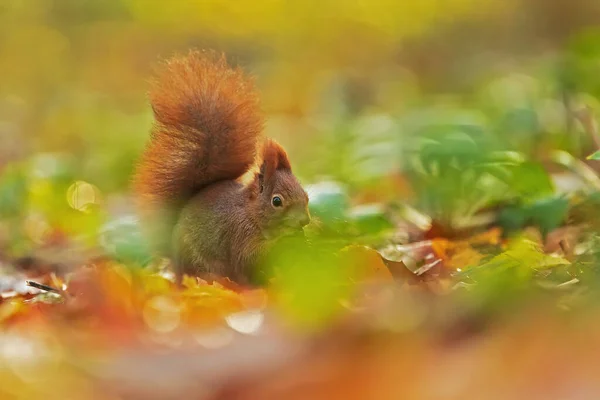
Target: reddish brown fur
(188,182)
(207,125)
(274,158)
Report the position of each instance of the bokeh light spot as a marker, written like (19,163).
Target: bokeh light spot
(162,314)
(81,194)
(246,322)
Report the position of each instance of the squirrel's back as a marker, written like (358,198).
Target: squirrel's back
(207,128)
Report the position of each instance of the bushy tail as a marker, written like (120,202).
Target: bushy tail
(207,126)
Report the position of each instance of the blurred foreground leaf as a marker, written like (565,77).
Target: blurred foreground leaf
(311,279)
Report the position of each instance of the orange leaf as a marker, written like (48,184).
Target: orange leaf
(461,254)
(365,263)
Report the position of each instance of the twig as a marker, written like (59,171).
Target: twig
(43,287)
(567,284)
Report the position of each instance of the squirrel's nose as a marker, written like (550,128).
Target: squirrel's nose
(303,221)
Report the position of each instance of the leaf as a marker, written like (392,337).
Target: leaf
(370,218)
(549,213)
(546,213)
(523,255)
(594,156)
(311,280)
(365,262)
(460,255)
(328,201)
(531,181)
(512,218)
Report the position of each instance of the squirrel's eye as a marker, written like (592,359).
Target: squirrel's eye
(277,201)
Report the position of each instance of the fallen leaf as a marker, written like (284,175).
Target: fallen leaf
(366,262)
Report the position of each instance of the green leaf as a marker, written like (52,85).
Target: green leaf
(594,156)
(310,281)
(370,218)
(531,181)
(328,201)
(513,218)
(523,253)
(505,276)
(549,213)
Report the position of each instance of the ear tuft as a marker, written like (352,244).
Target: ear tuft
(274,158)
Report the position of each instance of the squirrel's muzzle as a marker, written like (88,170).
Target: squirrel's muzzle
(303,221)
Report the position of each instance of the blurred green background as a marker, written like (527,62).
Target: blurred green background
(354,89)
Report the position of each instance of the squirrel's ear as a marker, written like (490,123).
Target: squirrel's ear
(274,158)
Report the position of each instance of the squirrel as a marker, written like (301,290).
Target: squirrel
(212,192)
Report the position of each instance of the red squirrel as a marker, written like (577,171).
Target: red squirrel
(213,193)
